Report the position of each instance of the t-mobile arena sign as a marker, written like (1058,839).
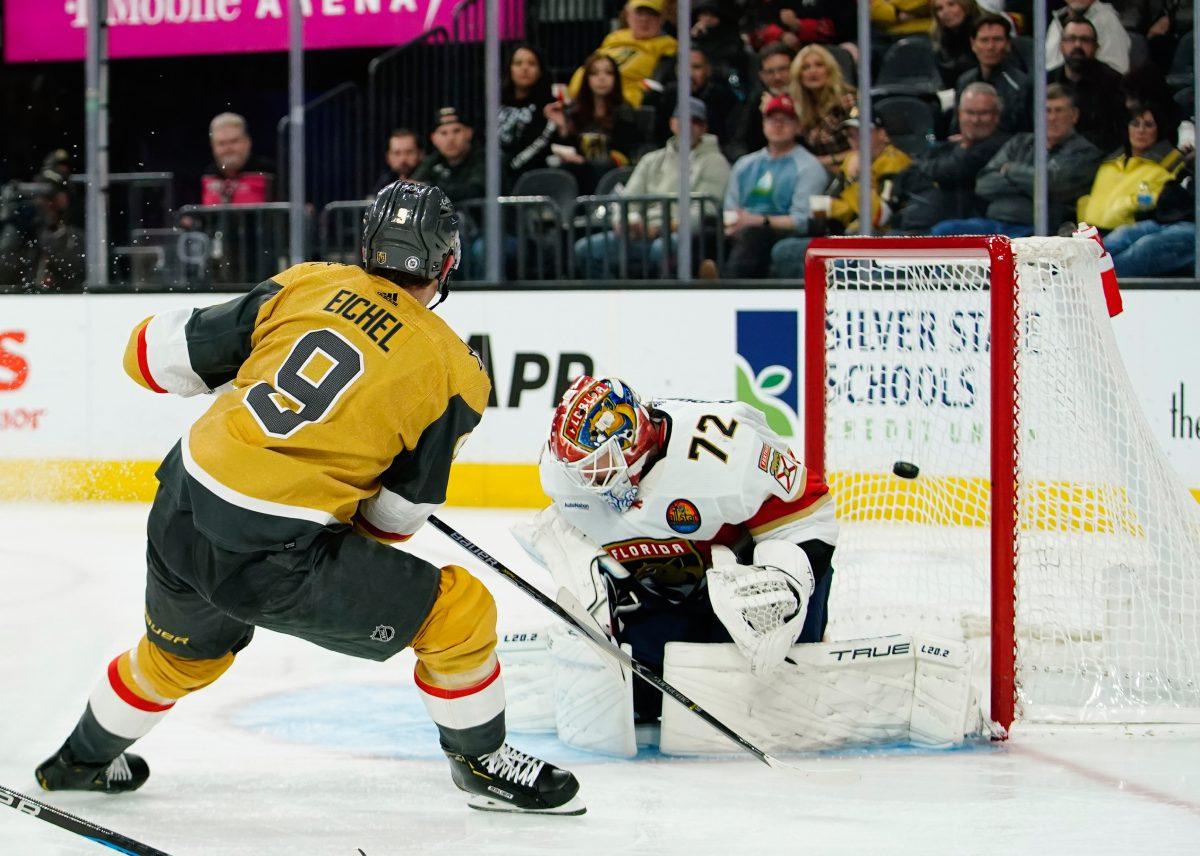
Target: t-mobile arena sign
(46,30)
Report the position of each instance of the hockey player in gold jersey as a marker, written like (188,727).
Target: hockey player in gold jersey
(341,400)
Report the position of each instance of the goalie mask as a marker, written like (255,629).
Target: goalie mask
(602,435)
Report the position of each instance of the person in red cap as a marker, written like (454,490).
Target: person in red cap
(768,193)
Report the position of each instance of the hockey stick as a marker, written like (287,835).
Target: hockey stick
(71,823)
(607,647)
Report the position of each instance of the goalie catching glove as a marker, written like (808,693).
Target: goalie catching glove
(762,605)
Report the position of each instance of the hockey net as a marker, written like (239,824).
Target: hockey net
(1044,520)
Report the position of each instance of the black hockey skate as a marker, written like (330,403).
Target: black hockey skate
(62,772)
(510,780)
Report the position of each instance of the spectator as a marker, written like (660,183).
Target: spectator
(953,24)
(56,171)
(404,154)
(1164,244)
(787,256)
(1108,32)
(525,133)
(1130,179)
(941,184)
(60,262)
(236,175)
(598,131)
(1097,87)
(774,75)
(1006,183)
(20,227)
(457,167)
(714,31)
(657,173)
(768,194)
(718,98)
(995,64)
(637,49)
(886,162)
(824,103)
(800,22)
(896,18)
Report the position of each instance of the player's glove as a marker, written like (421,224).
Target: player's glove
(762,605)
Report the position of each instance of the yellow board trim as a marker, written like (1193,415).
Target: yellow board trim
(67,480)
(77,480)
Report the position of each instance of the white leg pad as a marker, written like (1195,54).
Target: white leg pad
(528,680)
(945,705)
(593,704)
(862,692)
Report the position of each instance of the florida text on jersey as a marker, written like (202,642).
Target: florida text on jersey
(341,401)
(723,474)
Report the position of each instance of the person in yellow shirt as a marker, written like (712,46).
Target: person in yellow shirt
(886,161)
(897,18)
(637,49)
(1129,180)
(339,403)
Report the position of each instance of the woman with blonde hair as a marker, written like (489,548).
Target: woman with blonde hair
(824,102)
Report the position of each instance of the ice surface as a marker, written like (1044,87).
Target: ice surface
(300,751)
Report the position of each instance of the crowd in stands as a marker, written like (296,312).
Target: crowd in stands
(775,130)
(775,127)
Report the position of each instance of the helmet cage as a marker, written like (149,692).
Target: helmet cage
(602,469)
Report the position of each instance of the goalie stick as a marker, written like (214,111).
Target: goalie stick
(71,823)
(604,645)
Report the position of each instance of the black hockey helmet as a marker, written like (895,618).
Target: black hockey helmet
(411,228)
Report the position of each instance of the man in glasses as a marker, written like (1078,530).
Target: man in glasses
(1114,41)
(1095,85)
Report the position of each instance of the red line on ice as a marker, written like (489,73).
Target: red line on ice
(1107,779)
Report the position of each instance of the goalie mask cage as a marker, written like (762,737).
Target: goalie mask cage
(1044,514)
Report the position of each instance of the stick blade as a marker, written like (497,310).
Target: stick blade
(814,775)
(567,600)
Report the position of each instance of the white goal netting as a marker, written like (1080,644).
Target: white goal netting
(1107,540)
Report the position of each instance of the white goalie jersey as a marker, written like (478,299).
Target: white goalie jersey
(723,474)
(722,479)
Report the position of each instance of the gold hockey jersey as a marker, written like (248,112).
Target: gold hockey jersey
(341,399)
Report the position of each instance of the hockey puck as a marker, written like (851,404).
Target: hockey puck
(905,470)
